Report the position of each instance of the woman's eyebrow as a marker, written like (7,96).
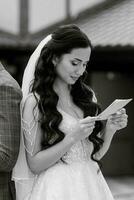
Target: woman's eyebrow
(81,60)
(78,59)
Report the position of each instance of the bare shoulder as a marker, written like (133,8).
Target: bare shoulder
(88,88)
(94,97)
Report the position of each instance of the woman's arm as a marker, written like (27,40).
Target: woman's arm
(44,159)
(107,136)
(115,122)
(39,160)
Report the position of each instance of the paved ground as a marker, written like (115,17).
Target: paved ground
(121,187)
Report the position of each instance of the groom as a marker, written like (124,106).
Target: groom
(10,97)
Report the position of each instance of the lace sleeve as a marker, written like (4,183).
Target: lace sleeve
(22,175)
(29,130)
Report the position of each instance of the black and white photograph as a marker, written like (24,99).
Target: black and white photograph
(66,100)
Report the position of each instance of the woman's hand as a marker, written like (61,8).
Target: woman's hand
(84,127)
(117,121)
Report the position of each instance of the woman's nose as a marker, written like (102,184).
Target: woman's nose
(80,71)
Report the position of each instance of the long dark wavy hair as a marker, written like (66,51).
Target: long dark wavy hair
(63,40)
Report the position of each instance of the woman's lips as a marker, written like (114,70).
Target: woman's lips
(74,77)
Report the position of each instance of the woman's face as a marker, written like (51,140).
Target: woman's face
(70,66)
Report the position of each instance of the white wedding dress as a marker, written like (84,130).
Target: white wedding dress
(75,179)
(78,178)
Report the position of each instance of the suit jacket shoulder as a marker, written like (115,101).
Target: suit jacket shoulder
(7,80)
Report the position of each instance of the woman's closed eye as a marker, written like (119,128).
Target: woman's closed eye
(74,63)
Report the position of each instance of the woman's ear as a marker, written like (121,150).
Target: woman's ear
(55,60)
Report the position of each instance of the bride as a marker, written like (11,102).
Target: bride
(61,141)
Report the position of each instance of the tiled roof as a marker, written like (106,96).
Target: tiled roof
(112,26)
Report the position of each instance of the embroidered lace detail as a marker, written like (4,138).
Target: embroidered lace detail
(29,131)
(80,151)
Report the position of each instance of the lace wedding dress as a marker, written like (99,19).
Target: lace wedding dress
(78,178)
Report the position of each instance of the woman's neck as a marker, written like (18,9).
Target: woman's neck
(65,101)
(62,89)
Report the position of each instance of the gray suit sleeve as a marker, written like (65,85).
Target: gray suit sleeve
(10,125)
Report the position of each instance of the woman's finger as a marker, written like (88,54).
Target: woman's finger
(123,111)
(119,116)
(120,112)
(90,125)
(122,125)
(88,120)
(88,130)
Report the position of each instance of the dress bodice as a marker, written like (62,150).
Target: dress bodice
(78,179)
(80,151)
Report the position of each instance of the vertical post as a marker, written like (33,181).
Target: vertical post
(68,16)
(24,8)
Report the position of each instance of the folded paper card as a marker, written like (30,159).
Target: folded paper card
(113,108)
